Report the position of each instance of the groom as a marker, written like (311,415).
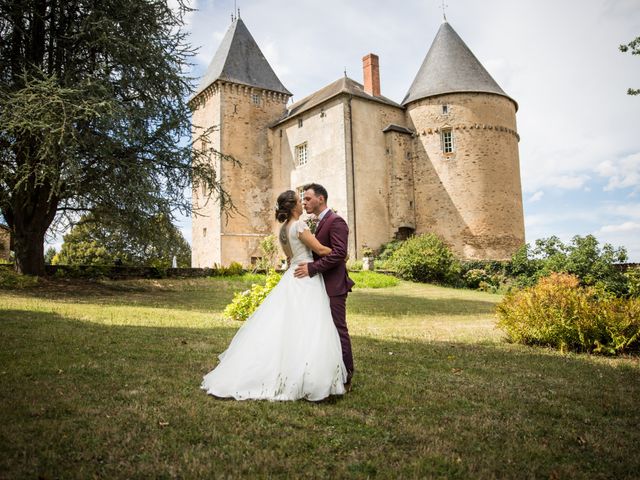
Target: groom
(333,232)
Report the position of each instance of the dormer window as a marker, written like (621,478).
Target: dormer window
(446,138)
(445,109)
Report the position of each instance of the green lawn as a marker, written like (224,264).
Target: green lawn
(102,380)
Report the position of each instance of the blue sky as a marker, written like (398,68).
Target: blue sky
(580,140)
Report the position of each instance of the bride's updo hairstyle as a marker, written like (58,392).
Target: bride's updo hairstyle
(286,203)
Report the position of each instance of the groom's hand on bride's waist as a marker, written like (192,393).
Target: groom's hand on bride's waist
(301,271)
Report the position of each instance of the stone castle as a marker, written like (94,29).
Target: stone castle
(444,160)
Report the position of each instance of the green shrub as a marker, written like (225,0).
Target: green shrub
(583,257)
(245,303)
(485,275)
(475,277)
(233,269)
(633,282)
(9,278)
(368,279)
(384,253)
(269,251)
(83,271)
(426,258)
(354,265)
(559,313)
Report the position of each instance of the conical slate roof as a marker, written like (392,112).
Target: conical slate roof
(450,67)
(239,60)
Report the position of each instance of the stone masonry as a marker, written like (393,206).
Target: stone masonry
(445,160)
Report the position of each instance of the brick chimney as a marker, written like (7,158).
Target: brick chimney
(371,70)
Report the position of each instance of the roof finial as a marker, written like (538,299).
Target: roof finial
(238,13)
(345,72)
(444,10)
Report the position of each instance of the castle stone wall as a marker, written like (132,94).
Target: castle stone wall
(373,176)
(472,196)
(205,220)
(323,131)
(243,134)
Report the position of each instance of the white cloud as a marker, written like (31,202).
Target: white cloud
(622,210)
(625,173)
(567,182)
(536,196)
(623,227)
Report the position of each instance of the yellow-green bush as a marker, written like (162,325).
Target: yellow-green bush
(559,313)
(245,303)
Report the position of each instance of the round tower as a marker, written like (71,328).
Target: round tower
(466,162)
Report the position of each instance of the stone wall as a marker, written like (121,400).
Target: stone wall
(323,131)
(371,217)
(206,219)
(472,196)
(244,115)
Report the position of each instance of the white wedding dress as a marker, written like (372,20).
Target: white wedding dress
(288,348)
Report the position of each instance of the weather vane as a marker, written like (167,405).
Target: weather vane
(444,12)
(236,12)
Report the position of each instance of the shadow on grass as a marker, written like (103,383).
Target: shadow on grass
(212,295)
(202,294)
(83,400)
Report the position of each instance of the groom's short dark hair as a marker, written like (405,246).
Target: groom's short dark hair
(317,189)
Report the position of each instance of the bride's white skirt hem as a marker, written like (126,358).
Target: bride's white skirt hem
(289,349)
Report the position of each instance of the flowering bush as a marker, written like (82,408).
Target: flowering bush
(559,313)
(245,303)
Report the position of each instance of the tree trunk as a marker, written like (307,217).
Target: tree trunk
(29,218)
(29,250)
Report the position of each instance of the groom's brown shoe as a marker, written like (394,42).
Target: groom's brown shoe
(347,387)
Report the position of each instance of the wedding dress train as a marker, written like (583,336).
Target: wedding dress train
(288,348)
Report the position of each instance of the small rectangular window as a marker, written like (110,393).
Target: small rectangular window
(445,109)
(300,191)
(255,98)
(299,123)
(447,141)
(302,154)
(204,232)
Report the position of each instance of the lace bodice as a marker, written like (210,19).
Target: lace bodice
(299,251)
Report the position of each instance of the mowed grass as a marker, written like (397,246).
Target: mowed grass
(101,379)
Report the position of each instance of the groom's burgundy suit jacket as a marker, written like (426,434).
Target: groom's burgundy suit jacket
(333,232)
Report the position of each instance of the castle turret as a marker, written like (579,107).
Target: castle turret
(238,98)
(466,163)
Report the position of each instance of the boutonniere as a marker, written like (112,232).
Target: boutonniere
(312,222)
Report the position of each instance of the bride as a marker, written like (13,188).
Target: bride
(289,347)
